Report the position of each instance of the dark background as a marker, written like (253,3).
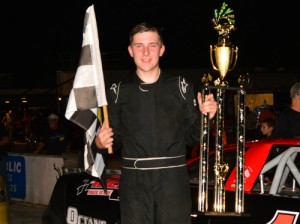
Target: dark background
(39,38)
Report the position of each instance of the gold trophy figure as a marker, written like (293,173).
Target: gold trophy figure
(223,55)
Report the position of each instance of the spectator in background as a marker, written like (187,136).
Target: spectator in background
(250,124)
(287,123)
(19,128)
(9,123)
(266,127)
(26,122)
(37,124)
(55,138)
(4,149)
(4,141)
(264,114)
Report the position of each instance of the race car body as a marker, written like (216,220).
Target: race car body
(80,198)
(271,184)
(271,190)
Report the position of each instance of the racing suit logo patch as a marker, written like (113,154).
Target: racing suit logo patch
(183,85)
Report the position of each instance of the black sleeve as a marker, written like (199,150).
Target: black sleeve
(114,114)
(192,117)
(281,127)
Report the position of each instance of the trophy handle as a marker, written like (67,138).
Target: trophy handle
(235,51)
(212,59)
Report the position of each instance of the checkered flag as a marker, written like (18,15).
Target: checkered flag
(88,93)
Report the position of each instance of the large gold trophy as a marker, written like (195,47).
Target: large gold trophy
(223,55)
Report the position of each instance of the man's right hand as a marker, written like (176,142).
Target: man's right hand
(104,138)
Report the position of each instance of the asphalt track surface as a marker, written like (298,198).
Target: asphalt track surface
(26,213)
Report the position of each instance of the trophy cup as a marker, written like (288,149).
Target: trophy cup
(223,55)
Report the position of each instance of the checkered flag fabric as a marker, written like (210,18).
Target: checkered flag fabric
(88,93)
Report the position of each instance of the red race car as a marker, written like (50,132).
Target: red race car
(271,189)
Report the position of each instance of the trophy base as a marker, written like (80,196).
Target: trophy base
(224,84)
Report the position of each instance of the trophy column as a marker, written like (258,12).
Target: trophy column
(240,153)
(204,151)
(220,168)
(223,57)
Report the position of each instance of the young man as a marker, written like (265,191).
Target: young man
(287,122)
(153,116)
(266,127)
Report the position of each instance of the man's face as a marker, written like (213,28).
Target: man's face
(146,49)
(265,129)
(53,123)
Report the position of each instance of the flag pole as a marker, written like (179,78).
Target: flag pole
(105,116)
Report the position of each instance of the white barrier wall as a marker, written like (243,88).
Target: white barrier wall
(32,178)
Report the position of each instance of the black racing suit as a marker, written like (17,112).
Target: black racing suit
(153,121)
(287,124)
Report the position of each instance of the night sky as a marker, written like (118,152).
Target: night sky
(35,34)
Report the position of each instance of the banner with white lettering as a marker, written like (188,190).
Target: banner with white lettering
(32,178)
(16,176)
